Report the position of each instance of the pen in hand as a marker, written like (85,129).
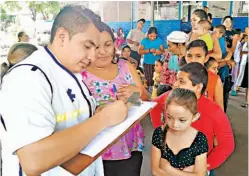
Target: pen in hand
(115,91)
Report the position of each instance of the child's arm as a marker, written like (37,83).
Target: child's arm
(218,94)
(217,54)
(144,93)
(200,168)
(155,162)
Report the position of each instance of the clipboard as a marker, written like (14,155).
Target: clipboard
(111,135)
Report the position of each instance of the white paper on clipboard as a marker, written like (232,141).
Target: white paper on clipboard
(108,135)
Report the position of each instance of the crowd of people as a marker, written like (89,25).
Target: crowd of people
(80,72)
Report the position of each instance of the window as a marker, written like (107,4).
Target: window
(240,8)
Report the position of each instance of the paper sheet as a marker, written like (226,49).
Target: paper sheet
(108,135)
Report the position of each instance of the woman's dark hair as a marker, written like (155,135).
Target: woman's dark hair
(210,16)
(19,35)
(152,30)
(197,74)
(198,43)
(201,14)
(182,62)
(105,27)
(159,60)
(226,17)
(118,32)
(210,61)
(126,46)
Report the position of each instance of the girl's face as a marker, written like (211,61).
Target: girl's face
(179,118)
(105,51)
(173,48)
(194,21)
(214,67)
(196,54)
(228,23)
(158,67)
(152,36)
(126,53)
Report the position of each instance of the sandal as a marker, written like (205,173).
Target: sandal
(244,105)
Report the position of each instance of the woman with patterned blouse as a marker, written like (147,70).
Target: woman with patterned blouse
(102,77)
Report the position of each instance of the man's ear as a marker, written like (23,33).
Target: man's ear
(196,117)
(206,58)
(199,88)
(61,36)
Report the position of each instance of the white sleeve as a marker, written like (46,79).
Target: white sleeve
(27,110)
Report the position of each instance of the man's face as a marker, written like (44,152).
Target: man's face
(79,51)
(140,25)
(196,54)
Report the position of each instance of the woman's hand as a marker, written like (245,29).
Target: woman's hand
(158,52)
(152,50)
(125,91)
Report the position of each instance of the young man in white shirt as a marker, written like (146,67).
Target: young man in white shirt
(134,39)
(46,106)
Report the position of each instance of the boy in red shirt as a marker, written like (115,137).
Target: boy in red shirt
(213,121)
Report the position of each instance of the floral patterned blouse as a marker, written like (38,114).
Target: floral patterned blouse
(102,91)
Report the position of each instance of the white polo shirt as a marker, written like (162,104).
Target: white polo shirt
(38,100)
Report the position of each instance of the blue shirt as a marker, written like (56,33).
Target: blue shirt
(222,42)
(149,58)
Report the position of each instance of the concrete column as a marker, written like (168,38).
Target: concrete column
(152,14)
(231,8)
(179,10)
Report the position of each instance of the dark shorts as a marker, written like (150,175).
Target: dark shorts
(127,167)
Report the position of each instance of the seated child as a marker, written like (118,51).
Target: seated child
(156,77)
(212,65)
(177,148)
(203,33)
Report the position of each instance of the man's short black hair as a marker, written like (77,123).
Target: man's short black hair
(198,43)
(74,19)
(197,74)
(142,19)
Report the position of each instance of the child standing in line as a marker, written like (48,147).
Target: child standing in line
(177,148)
(157,77)
(212,65)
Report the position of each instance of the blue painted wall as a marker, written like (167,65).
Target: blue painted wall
(164,27)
